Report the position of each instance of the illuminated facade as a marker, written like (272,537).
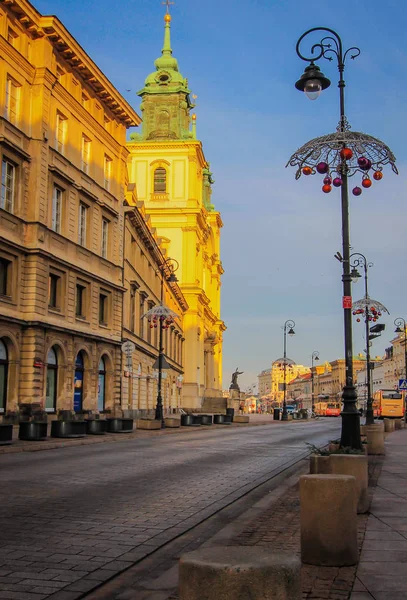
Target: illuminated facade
(174,182)
(64,277)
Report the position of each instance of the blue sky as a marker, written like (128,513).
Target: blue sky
(280,235)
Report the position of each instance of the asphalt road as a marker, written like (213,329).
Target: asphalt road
(72,518)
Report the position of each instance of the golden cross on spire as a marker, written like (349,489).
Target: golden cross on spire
(167,4)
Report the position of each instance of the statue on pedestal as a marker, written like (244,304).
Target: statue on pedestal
(234,385)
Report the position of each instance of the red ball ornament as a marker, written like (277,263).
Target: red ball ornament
(337,182)
(366,182)
(377,175)
(307,171)
(356,191)
(358,320)
(364,163)
(322,168)
(326,189)
(346,153)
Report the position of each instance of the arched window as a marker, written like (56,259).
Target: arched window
(78,382)
(160,180)
(3,376)
(101,384)
(52,381)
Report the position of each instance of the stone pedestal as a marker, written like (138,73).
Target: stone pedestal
(239,572)
(389,425)
(148,424)
(375,439)
(234,399)
(352,464)
(398,424)
(328,520)
(319,465)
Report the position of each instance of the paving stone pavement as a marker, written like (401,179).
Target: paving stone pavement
(74,518)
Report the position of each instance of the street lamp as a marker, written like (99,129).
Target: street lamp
(401,323)
(338,156)
(371,311)
(289,324)
(314,356)
(162,317)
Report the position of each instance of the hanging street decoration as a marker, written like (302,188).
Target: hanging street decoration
(343,152)
(368,309)
(161,314)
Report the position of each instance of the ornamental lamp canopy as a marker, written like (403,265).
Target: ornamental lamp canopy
(312,81)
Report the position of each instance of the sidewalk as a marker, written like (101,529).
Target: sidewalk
(52,443)
(382,534)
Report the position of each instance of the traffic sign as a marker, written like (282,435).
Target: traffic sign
(402,384)
(128,347)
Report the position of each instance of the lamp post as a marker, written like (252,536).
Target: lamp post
(400,322)
(289,324)
(162,317)
(314,356)
(337,157)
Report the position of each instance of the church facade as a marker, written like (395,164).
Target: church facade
(173,179)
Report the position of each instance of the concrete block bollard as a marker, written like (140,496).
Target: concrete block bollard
(352,464)
(328,520)
(228,573)
(389,425)
(398,424)
(375,439)
(319,465)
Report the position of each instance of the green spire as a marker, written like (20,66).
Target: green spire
(166,60)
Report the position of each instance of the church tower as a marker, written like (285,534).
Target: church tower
(174,181)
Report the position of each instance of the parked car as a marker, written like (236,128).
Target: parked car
(291,409)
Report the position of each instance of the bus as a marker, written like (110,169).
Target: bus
(388,404)
(333,409)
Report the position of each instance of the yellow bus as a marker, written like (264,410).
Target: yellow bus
(388,404)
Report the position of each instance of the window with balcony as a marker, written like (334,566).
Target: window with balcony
(82,224)
(8,185)
(57,197)
(12,105)
(86,146)
(61,127)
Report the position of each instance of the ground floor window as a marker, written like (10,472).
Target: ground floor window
(52,381)
(101,384)
(3,376)
(78,382)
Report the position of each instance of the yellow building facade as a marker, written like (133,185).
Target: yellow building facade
(67,235)
(174,181)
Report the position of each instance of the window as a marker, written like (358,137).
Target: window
(57,196)
(107,172)
(12,37)
(12,106)
(141,313)
(5,279)
(54,291)
(82,225)
(132,307)
(105,233)
(103,299)
(8,177)
(160,180)
(80,301)
(52,380)
(86,142)
(60,132)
